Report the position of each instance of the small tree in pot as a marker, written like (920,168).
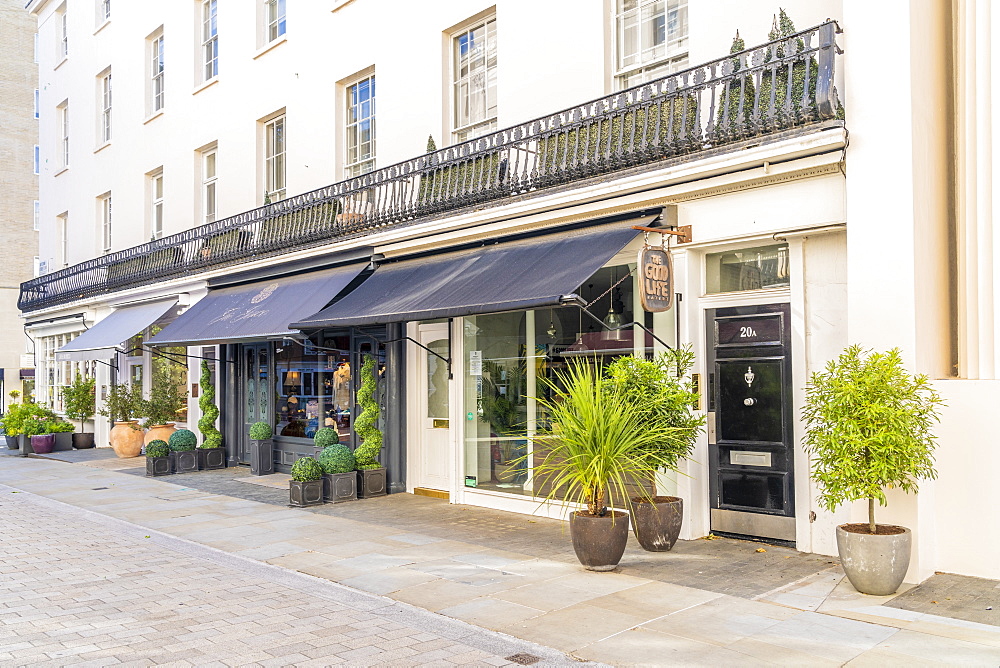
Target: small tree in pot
(371,474)
(182,451)
(664,391)
(211,455)
(79,400)
(166,399)
(121,406)
(306,486)
(261,449)
(868,427)
(158,458)
(340,483)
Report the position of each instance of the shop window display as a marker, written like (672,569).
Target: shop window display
(312,388)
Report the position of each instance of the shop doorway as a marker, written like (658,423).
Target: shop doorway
(433,387)
(750,413)
(256,395)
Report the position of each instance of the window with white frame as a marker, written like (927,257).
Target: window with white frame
(209,176)
(104,204)
(37,267)
(474,90)
(36,160)
(62,26)
(274,19)
(103,11)
(651,39)
(360,142)
(274,159)
(36,103)
(63,115)
(156,73)
(37,212)
(105,124)
(156,205)
(62,230)
(209,39)
(36,49)
(53,375)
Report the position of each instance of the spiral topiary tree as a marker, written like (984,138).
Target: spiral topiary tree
(211,436)
(365,426)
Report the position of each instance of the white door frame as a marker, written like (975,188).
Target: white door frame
(416,389)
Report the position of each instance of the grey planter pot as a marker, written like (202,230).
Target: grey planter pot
(64,441)
(371,483)
(875,565)
(210,459)
(261,457)
(184,461)
(305,493)
(24,444)
(656,525)
(157,466)
(83,440)
(340,487)
(11,442)
(599,542)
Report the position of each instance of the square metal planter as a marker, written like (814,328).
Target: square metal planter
(261,457)
(340,487)
(210,459)
(306,493)
(156,466)
(64,441)
(184,461)
(371,483)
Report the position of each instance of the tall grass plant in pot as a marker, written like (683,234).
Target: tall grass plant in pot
(868,428)
(598,443)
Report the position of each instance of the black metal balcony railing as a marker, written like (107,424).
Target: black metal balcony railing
(777,86)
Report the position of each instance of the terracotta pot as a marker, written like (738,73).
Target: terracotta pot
(126,439)
(159,431)
(599,542)
(657,524)
(43,444)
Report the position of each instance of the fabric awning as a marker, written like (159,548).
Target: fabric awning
(258,310)
(101,341)
(522,274)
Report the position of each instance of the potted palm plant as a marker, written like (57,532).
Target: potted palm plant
(79,401)
(306,486)
(211,454)
(663,387)
(868,427)
(121,406)
(598,443)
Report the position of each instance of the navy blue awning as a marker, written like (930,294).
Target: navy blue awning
(525,273)
(101,341)
(258,310)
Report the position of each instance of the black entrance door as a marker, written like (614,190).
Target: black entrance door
(750,447)
(255,392)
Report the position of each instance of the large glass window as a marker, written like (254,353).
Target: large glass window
(312,388)
(475,82)
(508,356)
(651,38)
(747,269)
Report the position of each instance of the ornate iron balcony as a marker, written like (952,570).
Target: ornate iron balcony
(778,86)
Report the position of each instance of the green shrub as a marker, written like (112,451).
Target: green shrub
(183,439)
(79,399)
(326,437)
(306,469)
(17,417)
(166,399)
(260,431)
(35,427)
(58,427)
(212,442)
(366,425)
(337,458)
(209,411)
(122,404)
(157,448)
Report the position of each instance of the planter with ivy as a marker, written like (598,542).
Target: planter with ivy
(183,457)
(306,486)
(340,482)
(261,449)
(211,454)
(158,458)
(79,401)
(868,427)
(371,474)
(121,406)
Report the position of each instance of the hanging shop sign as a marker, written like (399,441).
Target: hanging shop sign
(657,279)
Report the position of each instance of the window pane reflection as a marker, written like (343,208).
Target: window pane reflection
(312,386)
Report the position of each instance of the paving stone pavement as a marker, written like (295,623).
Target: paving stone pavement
(959,596)
(514,574)
(84,592)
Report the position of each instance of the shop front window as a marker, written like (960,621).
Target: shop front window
(509,356)
(312,388)
(747,269)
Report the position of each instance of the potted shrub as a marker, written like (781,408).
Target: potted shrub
(211,454)
(10,438)
(598,442)
(182,451)
(79,400)
(306,486)
(121,405)
(160,410)
(63,432)
(36,429)
(158,458)
(371,474)
(868,427)
(663,387)
(20,423)
(340,482)
(324,438)
(261,449)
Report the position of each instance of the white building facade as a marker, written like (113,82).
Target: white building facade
(236,195)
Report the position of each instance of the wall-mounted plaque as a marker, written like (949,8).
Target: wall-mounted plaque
(656,279)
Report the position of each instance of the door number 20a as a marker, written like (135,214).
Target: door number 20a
(747,332)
